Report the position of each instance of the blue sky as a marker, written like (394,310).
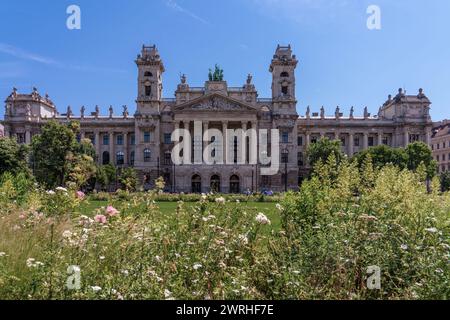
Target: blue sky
(341,61)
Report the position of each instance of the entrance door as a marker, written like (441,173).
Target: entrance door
(215,184)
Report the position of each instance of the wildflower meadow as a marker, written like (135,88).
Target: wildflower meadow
(317,243)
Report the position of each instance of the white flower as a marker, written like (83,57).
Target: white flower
(197,266)
(431,230)
(50,192)
(220,200)
(2,254)
(102,257)
(243,239)
(61,189)
(262,219)
(125,272)
(404,247)
(96,288)
(32,263)
(167,294)
(279,207)
(67,234)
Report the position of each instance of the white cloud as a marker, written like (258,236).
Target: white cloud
(175,6)
(22,54)
(29,56)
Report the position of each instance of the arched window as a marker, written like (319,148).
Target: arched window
(148,74)
(132,157)
(284,89)
(105,158)
(148,91)
(120,158)
(196,184)
(234,184)
(147,155)
(284,75)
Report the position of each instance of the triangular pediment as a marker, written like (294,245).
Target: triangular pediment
(215,102)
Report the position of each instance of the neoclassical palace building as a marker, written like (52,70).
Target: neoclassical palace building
(143,140)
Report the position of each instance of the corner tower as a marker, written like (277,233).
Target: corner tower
(283,68)
(150,70)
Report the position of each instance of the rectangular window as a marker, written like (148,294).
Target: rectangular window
(167,138)
(167,158)
(415,137)
(314,139)
(300,159)
(119,140)
(105,139)
(285,158)
(385,141)
(147,137)
(300,141)
(285,137)
(356,141)
(371,142)
(133,139)
(92,138)
(343,141)
(21,138)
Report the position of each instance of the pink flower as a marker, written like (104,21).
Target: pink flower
(100,219)
(80,195)
(111,211)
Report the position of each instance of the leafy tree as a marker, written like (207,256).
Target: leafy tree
(128,178)
(57,156)
(13,157)
(323,149)
(445,181)
(382,155)
(419,152)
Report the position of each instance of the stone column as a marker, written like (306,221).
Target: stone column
(125,148)
(205,137)
(242,158)
(406,138)
(27,136)
(365,141)
(82,135)
(351,142)
(138,156)
(112,157)
(308,139)
(97,146)
(380,138)
(336,135)
(428,138)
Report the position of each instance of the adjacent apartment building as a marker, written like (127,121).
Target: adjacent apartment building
(440,143)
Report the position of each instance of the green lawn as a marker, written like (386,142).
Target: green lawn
(268,208)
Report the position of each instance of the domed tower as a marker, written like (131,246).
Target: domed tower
(283,68)
(150,70)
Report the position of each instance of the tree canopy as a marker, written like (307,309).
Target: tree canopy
(13,157)
(323,149)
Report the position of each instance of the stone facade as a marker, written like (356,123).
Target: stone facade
(143,141)
(440,143)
